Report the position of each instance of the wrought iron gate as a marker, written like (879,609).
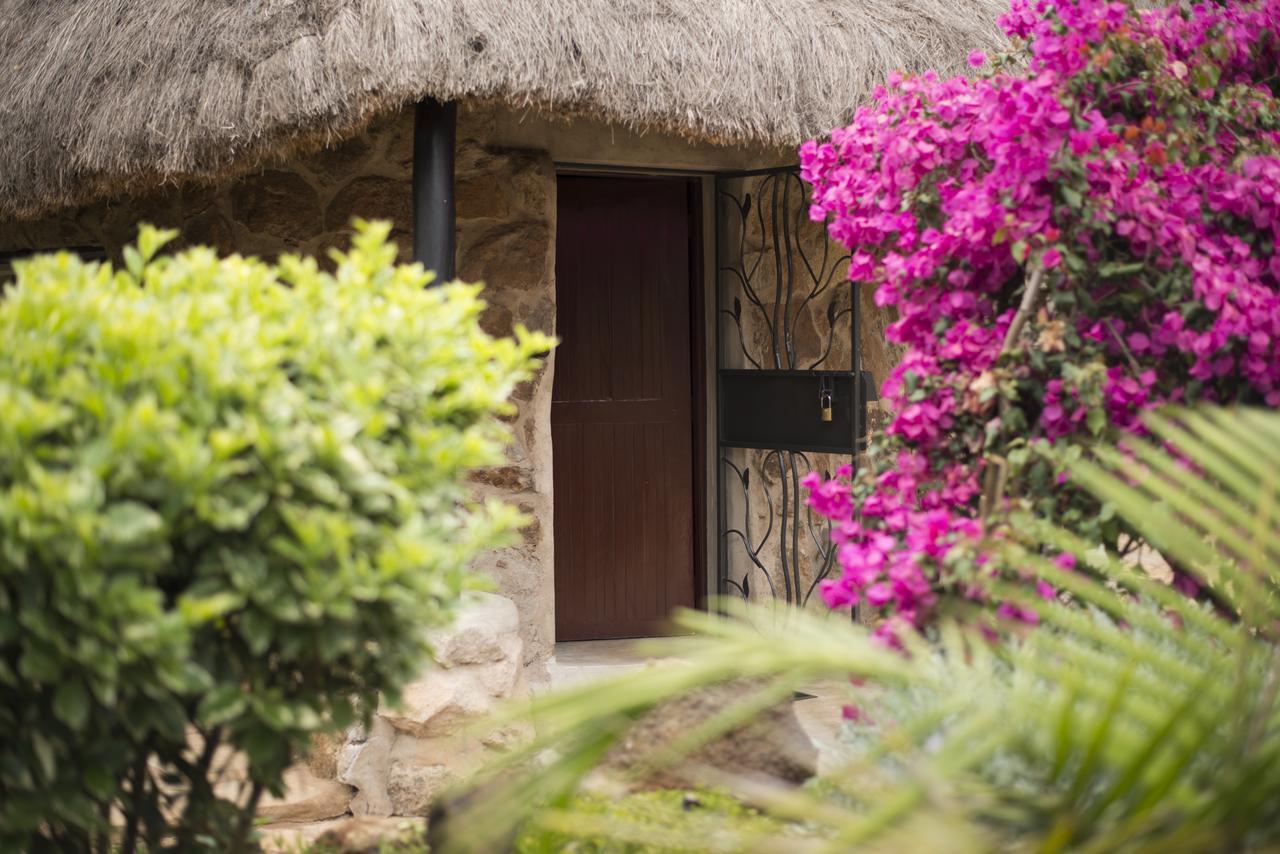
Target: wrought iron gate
(791,393)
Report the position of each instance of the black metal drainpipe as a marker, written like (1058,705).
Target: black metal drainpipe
(434,218)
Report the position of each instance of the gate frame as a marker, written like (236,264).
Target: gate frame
(724,584)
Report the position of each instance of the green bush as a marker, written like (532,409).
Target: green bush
(231,499)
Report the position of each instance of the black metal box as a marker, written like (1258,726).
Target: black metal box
(782,410)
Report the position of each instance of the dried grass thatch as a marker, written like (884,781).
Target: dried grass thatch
(101,95)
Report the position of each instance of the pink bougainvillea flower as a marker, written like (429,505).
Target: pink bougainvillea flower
(1132,155)
(853,714)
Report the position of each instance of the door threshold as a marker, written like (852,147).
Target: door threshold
(576,662)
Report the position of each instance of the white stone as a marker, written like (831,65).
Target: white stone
(439,703)
(477,633)
(414,787)
(509,737)
(362,763)
(306,798)
(415,749)
(347,835)
(501,678)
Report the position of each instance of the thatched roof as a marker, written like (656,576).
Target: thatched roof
(97,96)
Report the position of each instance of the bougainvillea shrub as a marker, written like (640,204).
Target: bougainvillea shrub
(1084,229)
(232,496)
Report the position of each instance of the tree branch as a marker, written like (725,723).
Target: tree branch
(1029,299)
(241,840)
(994,480)
(996,477)
(133,815)
(1133,363)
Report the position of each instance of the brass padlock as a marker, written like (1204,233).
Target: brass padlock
(824,400)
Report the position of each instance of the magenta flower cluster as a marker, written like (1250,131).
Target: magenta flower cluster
(904,528)
(1130,159)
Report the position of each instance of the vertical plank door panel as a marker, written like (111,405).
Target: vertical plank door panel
(622,410)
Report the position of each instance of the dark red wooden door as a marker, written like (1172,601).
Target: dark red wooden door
(622,411)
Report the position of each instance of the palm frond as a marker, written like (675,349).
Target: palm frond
(1132,717)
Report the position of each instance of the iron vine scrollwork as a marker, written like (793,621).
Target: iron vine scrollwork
(794,553)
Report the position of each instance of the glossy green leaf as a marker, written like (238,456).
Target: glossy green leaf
(71,704)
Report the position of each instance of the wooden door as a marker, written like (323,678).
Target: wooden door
(622,416)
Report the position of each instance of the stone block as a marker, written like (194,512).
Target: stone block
(482,196)
(372,197)
(531,534)
(414,787)
(471,157)
(501,678)
(498,321)
(418,748)
(540,315)
(507,738)
(439,703)
(530,186)
(364,834)
(772,745)
(277,203)
(322,756)
(363,764)
(306,798)
(210,229)
(477,633)
(512,256)
(398,132)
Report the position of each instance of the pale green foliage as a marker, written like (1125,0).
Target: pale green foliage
(232,496)
(666,820)
(1133,718)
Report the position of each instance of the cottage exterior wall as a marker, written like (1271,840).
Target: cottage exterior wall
(506,234)
(506,237)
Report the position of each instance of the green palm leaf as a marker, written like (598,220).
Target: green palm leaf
(1133,718)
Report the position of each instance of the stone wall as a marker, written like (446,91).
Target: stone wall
(435,737)
(505,237)
(414,751)
(506,205)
